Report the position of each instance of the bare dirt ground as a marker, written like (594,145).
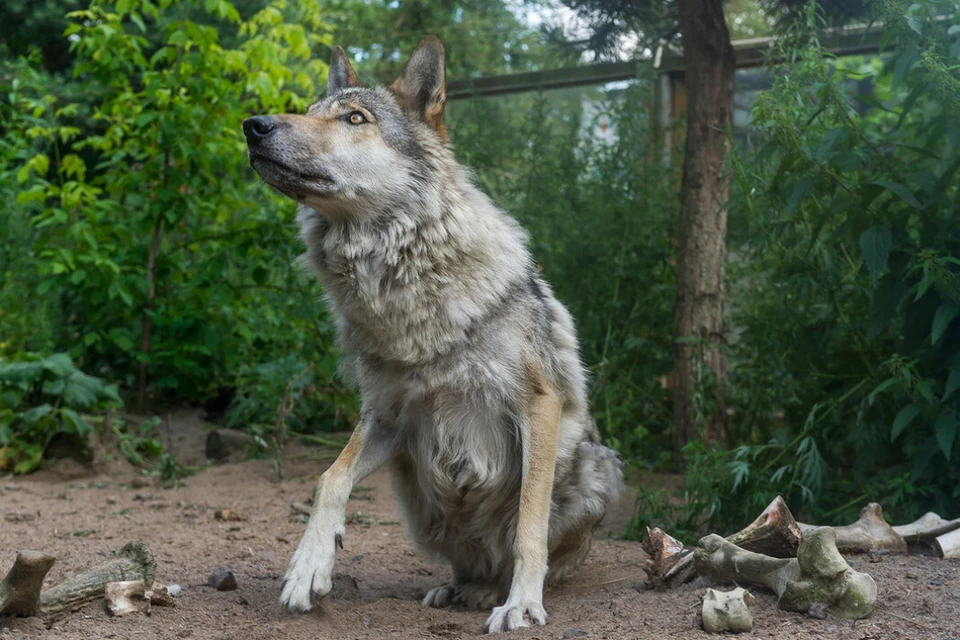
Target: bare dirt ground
(80,517)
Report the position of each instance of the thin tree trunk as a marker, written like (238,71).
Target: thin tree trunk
(698,327)
(145,321)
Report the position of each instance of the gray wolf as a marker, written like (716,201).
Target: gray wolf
(472,389)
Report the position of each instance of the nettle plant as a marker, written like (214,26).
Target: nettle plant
(41,397)
(847,365)
(151,230)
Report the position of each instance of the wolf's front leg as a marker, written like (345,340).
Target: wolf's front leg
(311,569)
(539,436)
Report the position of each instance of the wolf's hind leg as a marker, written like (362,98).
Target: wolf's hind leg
(580,502)
(539,432)
(310,574)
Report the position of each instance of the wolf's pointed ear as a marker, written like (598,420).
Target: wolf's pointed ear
(422,86)
(341,74)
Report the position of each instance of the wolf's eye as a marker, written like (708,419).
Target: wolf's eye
(355,117)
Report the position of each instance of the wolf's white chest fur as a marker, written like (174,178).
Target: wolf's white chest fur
(417,307)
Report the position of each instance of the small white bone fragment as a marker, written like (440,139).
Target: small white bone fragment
(120,597)
(726,611)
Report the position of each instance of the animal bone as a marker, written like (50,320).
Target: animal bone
(20,591)
(669,564)
(871,531)
(949,544)
(930,525)
(119,597)
(818,574)
(774,533)
(727,611)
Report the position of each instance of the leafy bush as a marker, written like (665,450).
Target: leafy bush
(845,365)
(41,397)
(167,261)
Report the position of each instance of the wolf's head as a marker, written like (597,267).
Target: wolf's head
(359,148)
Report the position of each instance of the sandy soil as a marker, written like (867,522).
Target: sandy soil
(79,516)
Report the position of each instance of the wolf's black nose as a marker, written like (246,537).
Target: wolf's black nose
(258,127)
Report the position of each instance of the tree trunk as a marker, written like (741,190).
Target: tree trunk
(698,327)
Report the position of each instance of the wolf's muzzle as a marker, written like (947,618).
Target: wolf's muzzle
(258,128)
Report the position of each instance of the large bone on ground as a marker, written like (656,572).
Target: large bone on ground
(725,611)
(669,564)
(132,562)
(929,526)
(774,533)
(949,544)
(818,574)
(870,532)
(20,589)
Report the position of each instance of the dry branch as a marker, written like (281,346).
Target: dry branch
(818,575)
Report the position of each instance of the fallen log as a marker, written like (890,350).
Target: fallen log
(817,576)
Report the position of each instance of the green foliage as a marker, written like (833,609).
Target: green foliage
(305,398)
(844,360)
(147,223)
(41,397)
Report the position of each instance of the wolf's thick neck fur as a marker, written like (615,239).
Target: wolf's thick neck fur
(409,279)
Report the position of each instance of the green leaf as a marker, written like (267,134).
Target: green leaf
(875,246)
(904,64)
(915,22)
(901,191)
(946,431)
(80,426)
(953,380)
(883,386)
(903,420)
(37,413)
(945,314)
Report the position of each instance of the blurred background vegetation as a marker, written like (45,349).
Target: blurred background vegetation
(143,263)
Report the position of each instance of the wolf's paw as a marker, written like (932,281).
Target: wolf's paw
(511,616)
(439,597)
(475,595)
(310,576)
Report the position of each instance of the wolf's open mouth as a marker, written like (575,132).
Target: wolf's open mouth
(286,170)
